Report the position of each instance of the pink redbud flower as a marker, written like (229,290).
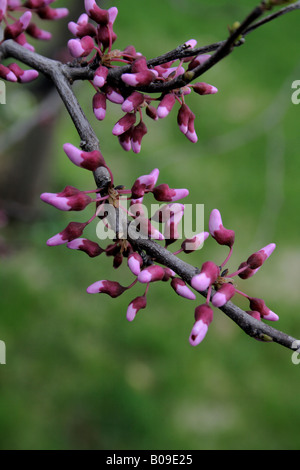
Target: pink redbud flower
(133,102)
(183,117)
(48,13)
(222,235)
(106,35)
(151,111)
(81,47)
(76,202)
(191,133)
(225,293)
(165,212)
(95,13)
(112,288)
(124,124)
(204,89)
(88,160)
(82,27)
(137,134)
(198,60)
(169,273)
(18,27)
(151,274)
(23,76)
(260,306)
(100,76)
(89,247)
(135,262)
(114,95)
(164,193)
(144,182)
(34,31)
(7,74)
(139,78)
(208,275)
(72,231)
(166,105)
(125,140)
(246,273)
(192,244)
(182,289)
(135,306)
(171,226)
(203,318)
(99,105)
(256,260)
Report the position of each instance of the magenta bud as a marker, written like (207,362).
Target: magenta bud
(82,27)
(139,78)
(254,314)
(183,117)
(88,160)
(72,231)
(182,289)
(132,102)
(34,31)
(208,275)
(14,30)
(113,95)
(92,249)
(125,140)
(23,76)
(203,318)
(151,112)
(111,288)
(137,134)
(257,259)
(48,13)
(222,235)
(81,47)
(204,89)
(151,274)
(95,13)
(124,124)
(7,74)
(223,295)
(260,306)
(198,60)
(135,262)
(135,306)
(166,105)
(164,193)
(100,76)
(144,182)
(99,105)
(192,244)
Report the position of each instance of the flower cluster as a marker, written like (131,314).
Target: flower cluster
(109,209)
(17,29)
(95,35)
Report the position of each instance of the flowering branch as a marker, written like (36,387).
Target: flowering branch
(134,232)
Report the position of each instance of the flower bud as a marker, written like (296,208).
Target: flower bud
(182,289)
(192,244)
(260,306)
(34,31)
(256,260)
(99,105)
(95,13)
(111,288)
(81,47)
(18,27)
(164,193)
(132,102)
(137,135)
(135,306)
(135,262)
(7,74)
(204,89)
(144,182)
(82,27)
(223,295)
(88,160)
(208,275)
(92,249)
(48,13)
(151,274)
(124,124)
(100,76)
(222,235)
(72,231)
(166,105)
(203,318)
(23,76)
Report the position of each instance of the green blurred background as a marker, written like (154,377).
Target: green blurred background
(78,375)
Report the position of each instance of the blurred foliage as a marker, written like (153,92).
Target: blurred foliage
(78,375)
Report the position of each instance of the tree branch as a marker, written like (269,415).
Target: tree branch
(62,75)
